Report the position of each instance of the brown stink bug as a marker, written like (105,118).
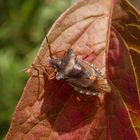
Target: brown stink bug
(81,75)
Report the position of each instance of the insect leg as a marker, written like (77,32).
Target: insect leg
(49,76)
(59,51)
(40,92)
(92,78)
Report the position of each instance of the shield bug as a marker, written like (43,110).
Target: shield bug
(81,75)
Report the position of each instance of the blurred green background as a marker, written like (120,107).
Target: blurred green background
(21,32)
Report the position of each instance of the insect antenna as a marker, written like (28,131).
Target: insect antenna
(49,46)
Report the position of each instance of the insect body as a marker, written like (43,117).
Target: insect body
(79,74)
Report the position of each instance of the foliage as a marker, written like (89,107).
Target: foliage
(52,109)
(21,32)
(22,26)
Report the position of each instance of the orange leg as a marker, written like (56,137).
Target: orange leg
(52,75)
(92,78)
(59,51)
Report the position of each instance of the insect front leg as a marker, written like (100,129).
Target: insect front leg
(52,75)
(40,77)
(44,68)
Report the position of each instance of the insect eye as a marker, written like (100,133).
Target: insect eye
(56,63)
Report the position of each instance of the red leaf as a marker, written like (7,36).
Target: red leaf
(51,109)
